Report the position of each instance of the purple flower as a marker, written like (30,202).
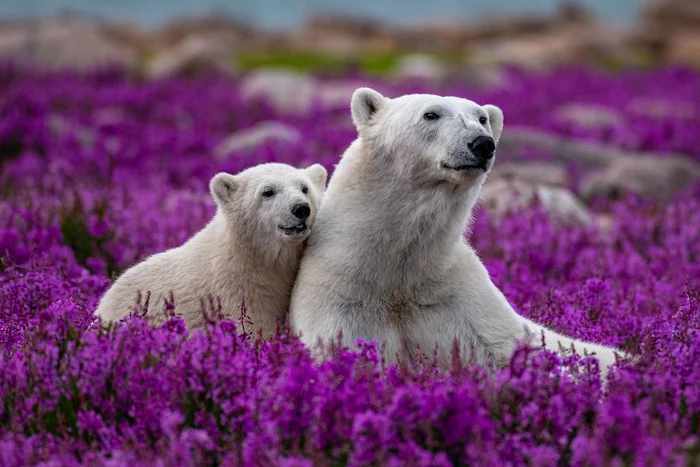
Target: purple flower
(99,171)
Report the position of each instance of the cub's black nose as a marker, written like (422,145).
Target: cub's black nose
(482,147)
(301,211)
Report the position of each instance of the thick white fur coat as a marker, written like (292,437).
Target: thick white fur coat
(387,260)
(240,254)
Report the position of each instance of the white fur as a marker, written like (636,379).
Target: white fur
(387,259)
(241,253)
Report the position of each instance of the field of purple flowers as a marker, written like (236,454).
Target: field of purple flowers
(98,170)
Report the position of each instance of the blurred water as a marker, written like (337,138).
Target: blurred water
(289,13)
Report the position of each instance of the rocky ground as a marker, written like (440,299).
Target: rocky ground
(668,32)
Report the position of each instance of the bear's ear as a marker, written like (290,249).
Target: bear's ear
(318,175)
(364,105)
(495,119)
(223,187)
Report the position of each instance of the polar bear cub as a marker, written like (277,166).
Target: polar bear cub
(250,250)
(387,259)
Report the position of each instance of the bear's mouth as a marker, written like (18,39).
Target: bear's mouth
(466,167)
(298,230)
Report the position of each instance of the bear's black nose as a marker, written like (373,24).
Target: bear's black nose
(482,147)
(301,211)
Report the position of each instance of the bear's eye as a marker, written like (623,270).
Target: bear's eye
(304,189)
(483,120)
(268,193)
(431,116)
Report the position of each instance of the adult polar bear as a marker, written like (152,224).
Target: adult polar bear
(387,259)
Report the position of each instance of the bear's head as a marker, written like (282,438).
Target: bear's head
(271,200)
(429,138)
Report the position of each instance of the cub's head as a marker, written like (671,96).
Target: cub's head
(271,200)
(429,138)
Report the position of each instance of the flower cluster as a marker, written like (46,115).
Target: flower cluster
(97,171)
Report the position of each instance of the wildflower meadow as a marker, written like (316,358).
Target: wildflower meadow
(98,170)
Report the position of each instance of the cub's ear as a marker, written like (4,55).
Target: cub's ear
(495,120)
(223,187)
(318,175)
(364,105)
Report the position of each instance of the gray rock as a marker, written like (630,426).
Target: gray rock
(286,90)
(590,116)
(502,196)
(336,94)
(541,173)
(194,55)
(662,108)
(65,43)
(251,138)
(420,66)
(517,139)
(655,177)
(14,41)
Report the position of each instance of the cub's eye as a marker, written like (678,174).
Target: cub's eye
(304,189)
(431,116)
(268,193)
(483,120)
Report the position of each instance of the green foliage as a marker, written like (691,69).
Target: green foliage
(76,235)
(375,63)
